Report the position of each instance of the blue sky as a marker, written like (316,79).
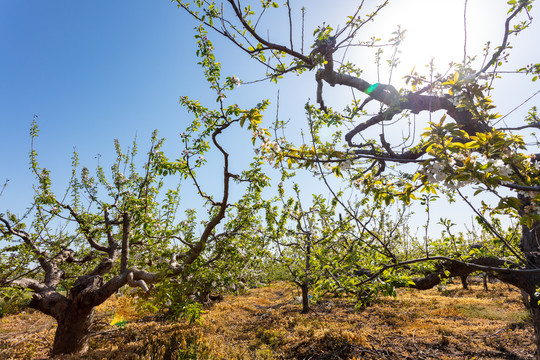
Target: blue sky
(102,70)
(92,72)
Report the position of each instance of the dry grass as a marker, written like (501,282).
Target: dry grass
(267,324)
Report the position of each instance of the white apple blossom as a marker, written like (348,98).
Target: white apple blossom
(534,164)
(435,172)
(502,168)
(481,161)
(345,164)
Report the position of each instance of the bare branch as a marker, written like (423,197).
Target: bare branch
(136,283)
(26,283)
(504,43)
(265,43)
(290,25)
(197,248)
(520,187)
(27,239)
(86,230)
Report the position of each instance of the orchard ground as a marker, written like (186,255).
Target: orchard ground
(266,323)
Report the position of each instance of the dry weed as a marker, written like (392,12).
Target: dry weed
(266,323)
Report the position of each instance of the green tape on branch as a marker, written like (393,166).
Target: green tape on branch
(371,89)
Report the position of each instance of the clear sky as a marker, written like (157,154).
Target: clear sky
(92,72)
(100,70)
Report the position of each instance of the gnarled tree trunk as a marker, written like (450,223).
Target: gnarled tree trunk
(73,333)
(74,313)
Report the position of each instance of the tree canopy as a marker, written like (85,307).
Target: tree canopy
(377,145)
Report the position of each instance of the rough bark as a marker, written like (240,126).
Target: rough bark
(305,298)
(73,333)
(531,284)
(74,313)
(451,269)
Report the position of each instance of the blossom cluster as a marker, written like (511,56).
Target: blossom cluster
(85,173)
(269,149)
(533,208)
(438,171)
(259,133)
(343,165)
(533,165)
(121,179)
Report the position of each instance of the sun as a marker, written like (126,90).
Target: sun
(445,31)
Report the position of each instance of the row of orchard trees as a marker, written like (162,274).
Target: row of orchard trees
(109,229)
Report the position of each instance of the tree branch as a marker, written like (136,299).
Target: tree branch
(268,44)
(504,42)
(86,230)
(126,221)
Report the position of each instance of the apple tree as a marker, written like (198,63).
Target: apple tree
(375,143)
(77,247)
